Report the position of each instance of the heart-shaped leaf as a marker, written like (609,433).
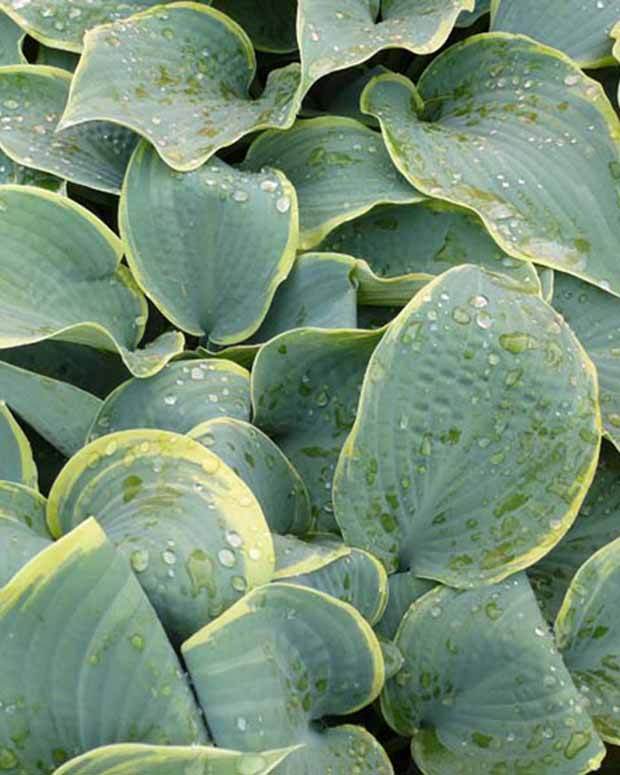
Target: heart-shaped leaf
(311,656)
(482,474)
(516,132)
(482,689)
(579,29)
(425,239)
(339,167)
(595,317)
(180,232)
(336,36)
(67,283)
(184,394)
(32,99)
(11,39)
(16,463)
(58,411)
(597,524)
(305,389)
(350,575)
(61,24)
(23,531)
(187,525)
(588,636)
(171,760)
(79,640)
(256,460)
(195,103)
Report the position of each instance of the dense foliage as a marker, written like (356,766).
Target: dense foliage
(309,387)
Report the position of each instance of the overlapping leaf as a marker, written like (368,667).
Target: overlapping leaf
(11,38)
(187,525)
(23,531)
(32,99)
(305,389)
(588,637)
(16,463)
(62,24)
(57,410)
(483,690)
(334,36)
(580,29)
(339,167)
(180,232)
(184,394)
(516,132)
(325,564)
(311,656)
(67,283)
(476,437)
(179,76)
(256,460)
(92,641)
(426,239)
(597,524)
(595,317)
(171,760)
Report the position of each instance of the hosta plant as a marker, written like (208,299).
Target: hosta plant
(309,387)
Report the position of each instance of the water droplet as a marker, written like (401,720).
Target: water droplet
(139,560)
(226,558)
(234,539)
(283,205)
(169,557)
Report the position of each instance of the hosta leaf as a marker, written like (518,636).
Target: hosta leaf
(467,18)
(597,524)
(11,39)
(579,29)
(426,239)
(595,317)
(11,172)
(91,370)
(61,24)
(195,103)
(481,475)
(256,460)
(180,232)
(23,532)
(171,760)
(404,589)
(272,28)
(184,394)
(67,282)
(483,691)
(305,389)
(58,411)
(188,526)
(32,99)
(588,636)
(16,461)
(79,641)
(310,656)
(516,132)
(319,293)
(339,167)
(352,576)
(334,36)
